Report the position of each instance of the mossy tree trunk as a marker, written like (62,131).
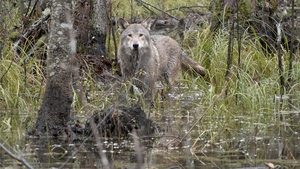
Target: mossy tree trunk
(55,110)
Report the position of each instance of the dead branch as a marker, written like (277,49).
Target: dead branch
(280,62)
(33,8)
(146,4)
(33,32)
(27,10)
(16,157)
(187,7)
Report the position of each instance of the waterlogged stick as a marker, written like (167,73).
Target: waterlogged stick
(16,157)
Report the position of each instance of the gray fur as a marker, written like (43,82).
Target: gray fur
(157,58)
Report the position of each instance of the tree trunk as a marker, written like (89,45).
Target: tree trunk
(55,110)
(99,24)
(91,24)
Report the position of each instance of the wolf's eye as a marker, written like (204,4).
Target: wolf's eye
(130,35)
(141,35)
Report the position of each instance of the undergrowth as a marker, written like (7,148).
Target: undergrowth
(21,92)
(251,98)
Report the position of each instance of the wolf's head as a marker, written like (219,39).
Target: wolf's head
(134,37)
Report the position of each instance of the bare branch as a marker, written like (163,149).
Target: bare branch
(146,4)
(280,61)
(16,157)
(30,33)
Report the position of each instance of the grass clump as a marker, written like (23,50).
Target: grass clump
(20,93)
(252,91)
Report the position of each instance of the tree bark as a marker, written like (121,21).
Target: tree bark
(99,24)
(55,110)
(91,24)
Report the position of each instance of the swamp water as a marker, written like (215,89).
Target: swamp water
(183,144)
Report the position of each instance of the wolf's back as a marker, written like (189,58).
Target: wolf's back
(171,52)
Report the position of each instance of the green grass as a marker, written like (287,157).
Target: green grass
(250,102)
(19,93)
(22,81)
(252,96)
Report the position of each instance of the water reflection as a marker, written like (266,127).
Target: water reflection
(177,146)
(231,153)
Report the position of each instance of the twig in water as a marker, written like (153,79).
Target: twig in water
(138,150)
(201,117)
(189,131)
(99,145)
(84,141)
(16,157)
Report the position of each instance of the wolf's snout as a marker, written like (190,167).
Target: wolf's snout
(135,46)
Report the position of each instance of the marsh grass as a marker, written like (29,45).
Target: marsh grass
(251,103)
(252,98)
(253,92)
(22,79)
(20,93)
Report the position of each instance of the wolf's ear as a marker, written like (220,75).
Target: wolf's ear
(148,23)
(123,23)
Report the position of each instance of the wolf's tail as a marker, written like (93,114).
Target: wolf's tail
(190,64)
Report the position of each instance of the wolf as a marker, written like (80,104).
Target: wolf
(146,59)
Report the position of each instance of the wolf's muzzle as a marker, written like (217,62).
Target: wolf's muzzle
(135,46)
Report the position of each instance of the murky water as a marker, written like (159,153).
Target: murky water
(121,154)
(181,145)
